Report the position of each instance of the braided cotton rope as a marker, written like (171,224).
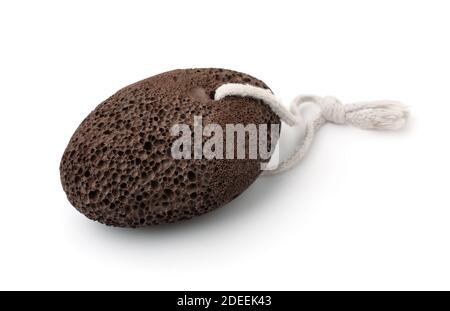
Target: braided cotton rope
(377,115)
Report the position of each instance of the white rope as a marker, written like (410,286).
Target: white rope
(376,115)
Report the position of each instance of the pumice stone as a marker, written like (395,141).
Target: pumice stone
(182,143)
(118,167)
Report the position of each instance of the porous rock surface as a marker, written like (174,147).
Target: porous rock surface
(117,168)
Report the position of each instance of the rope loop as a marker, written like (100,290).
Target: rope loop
(374,115)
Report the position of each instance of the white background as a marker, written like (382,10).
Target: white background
(364,210)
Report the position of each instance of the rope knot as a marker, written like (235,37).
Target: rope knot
(379,115)
(332,109)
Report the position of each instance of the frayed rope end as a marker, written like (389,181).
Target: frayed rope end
(377,115)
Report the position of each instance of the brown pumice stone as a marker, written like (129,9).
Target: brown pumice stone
(117,168)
